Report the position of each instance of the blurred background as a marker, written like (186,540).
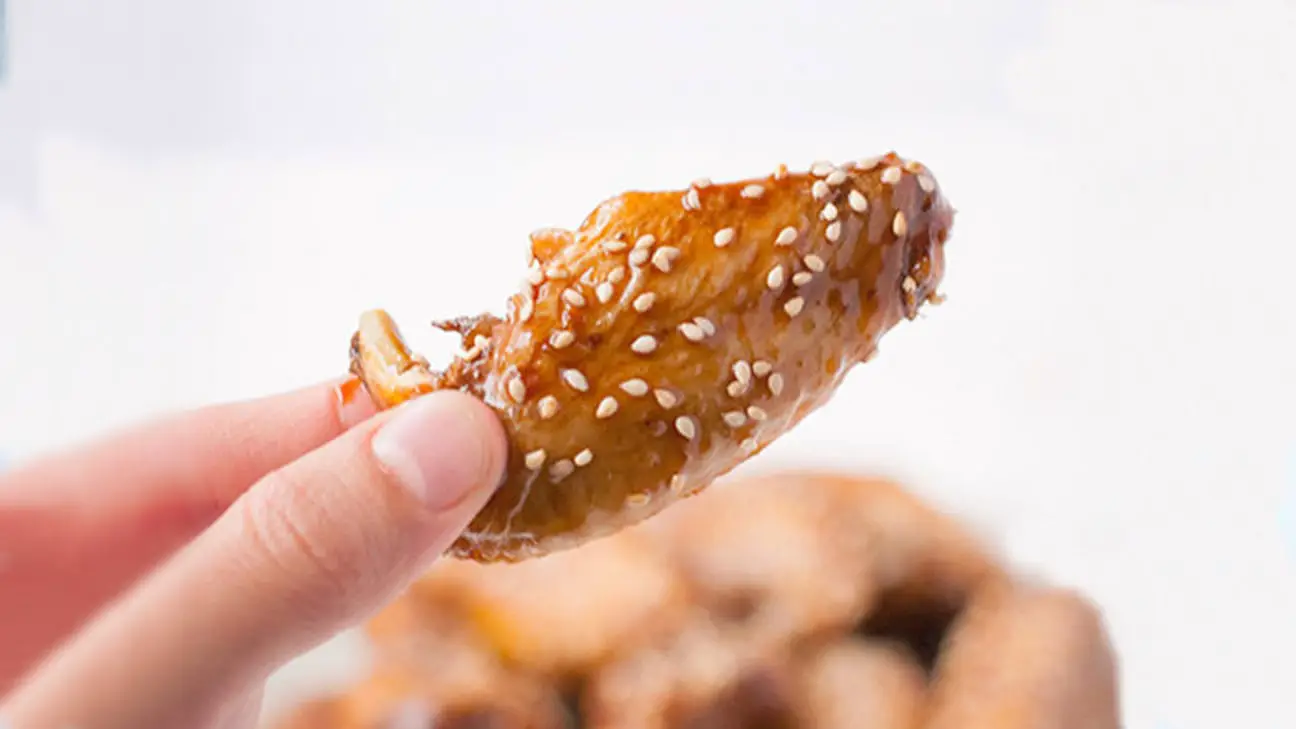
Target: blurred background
(197,199)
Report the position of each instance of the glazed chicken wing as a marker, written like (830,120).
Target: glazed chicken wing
(672,336)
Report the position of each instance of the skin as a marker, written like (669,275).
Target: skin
(197,554)
(615,409)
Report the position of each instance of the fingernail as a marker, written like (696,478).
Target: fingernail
(441,447)
(353,403)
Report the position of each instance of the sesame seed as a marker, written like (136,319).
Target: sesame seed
(517,390)
(926,183)
(761,368)
(614,246)
(734,418)
(692,200)
(701,182)
(909,285)
(557,273)
(749,445)
(676,483)
(836,178)
(775,384)
(645,241)
(736,388)
(829,212)
(786,236)
(706,325)
(607,407)
(644,302)
(535,459)
(801,278)
(833,231)
(666,398)
(635,387)
(548,407)
(645,344)
(616,274)
(535,276)
(780,172)
(638,499)
(584,458)
(692,331)
(575,380)
(724,237)
(603,292)
(898,224)
(868,163)
(562,469)
(814,263)
(752,192)
(757,414)
(822,168)
(663,258)
(820,190)
(794,306)
(573,297)
(638,257)
(561,339)
(858,202)
(685,426)
(527,308)
(891,175)
(742,371)
(774,280)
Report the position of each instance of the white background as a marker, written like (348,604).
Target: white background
(197,199)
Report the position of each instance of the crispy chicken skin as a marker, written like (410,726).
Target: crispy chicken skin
(673,336)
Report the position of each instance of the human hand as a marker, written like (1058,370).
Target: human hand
(158,578)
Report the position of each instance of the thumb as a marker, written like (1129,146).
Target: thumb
(311,549)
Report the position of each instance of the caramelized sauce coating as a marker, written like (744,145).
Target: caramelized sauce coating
(853,683)
(672,336)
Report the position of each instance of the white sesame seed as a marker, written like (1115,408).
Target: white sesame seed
(734,418)
(635,387)
(616,274)
(909,285)
(561,339)
(676,483)
(638,257)
(575,380)
(647,240)
(663,257)
(603,292)
(548,407)
(645,344)
(757,414)
(780,172)
(517,390)
(742,371)
(526,310)
(685,426)
(858,202)
(833,231)
(557,273)
(701,182)
(801,278)
(891,175)
(724,237)
(836,178)
(584,458)
(760,368)
(535,459)
(794,306)
(736,388)
(774,279)
(868,163)
(786,236)
(822,168)
(638,500)
(692,331)
(706,325)
(814,263)
(562,469)
(898,224)
(614,246)
(829,212)
(692,200)
(534,275)
(644,302)
(666,398)
(752,192)
(820,190)
(573,297)
(926,183)
(607,407)
(775,384)
(749,445)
